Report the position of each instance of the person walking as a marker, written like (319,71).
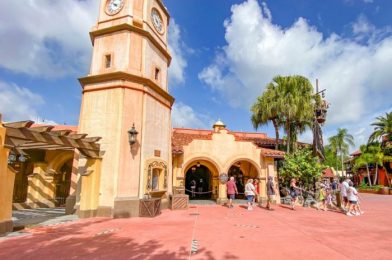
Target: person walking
(256,184)
(322,197)
(343,191)
(293,193)
(329,198)
(353,198)
(193,188)
(271,192)
(250,193)
(231,190)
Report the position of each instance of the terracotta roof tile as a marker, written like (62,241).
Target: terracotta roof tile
(328,173)
(272,153)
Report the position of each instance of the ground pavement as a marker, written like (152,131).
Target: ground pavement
(216,232)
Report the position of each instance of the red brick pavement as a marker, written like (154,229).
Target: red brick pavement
(221,233)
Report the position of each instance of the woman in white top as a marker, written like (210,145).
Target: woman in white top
(250,193)
(352,196)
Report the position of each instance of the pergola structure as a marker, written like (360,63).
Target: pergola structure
(18,137)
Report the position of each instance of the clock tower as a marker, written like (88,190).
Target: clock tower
(127,86)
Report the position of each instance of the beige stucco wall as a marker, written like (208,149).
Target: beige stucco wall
(219,154)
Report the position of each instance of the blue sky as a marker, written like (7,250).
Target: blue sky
(224,53)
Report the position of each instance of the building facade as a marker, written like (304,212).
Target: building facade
(127,88)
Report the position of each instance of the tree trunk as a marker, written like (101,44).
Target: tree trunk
(276,133)
(288,136)
(341,158)
(368,173)
(375,176)
(389,181)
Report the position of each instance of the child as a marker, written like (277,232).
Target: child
(322,198)
(329,198)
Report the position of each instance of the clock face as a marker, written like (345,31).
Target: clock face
(157,20)
(114,6)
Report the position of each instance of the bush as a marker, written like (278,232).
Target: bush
(364,186)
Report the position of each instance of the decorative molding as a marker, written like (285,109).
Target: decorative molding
(119,75)
(132,28)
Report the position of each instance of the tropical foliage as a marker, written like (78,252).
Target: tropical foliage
(382,128)
(301,165)
(340,143)
(287,102)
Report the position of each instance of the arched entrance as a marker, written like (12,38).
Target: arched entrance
(242,171)
(63,183)
(199,178)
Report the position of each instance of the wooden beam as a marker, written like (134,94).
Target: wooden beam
(91,139)
(41,129)
(61,132)
(77,136)
(19,124)
(44,137)
(46,147)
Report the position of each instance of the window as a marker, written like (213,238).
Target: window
(156,76)
(108,61)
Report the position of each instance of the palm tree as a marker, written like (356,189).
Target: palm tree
(341,143)
(363,160)
(296,104)
(376,157)
(287,101)
(266,109)
(383,127)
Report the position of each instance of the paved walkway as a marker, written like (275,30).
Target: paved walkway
(216,232)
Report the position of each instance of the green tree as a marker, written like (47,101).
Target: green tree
(331,158)
(340,144)
(302,166)
(287,101)
(364,160)
(297,106)
(265,109)
(382,127)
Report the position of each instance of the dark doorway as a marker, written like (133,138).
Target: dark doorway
(239,179)
(63,183)
(198,179)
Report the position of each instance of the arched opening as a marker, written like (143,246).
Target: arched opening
(63,183)
(198,182)
(242,171)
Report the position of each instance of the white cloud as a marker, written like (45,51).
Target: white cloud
(46,38)
(184,116)
(18,103)
(368,1)
(356,74)
(177,48)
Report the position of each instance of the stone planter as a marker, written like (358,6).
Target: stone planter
(369,191)
(384,191)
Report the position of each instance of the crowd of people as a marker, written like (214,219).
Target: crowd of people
(251,192)
(328,192)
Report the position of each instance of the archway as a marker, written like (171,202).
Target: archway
(242,171)
(199,180)
(62,181)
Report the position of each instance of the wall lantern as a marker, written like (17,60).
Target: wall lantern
(11,157)
(198,164)
(132,133)
(14,158)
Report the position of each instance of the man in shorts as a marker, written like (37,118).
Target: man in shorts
(271,192)
(231,191)
(343,192)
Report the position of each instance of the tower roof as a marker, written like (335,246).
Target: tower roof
(219,123)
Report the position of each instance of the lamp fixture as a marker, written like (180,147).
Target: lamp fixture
(198,164)
(132,134)
(11,157)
